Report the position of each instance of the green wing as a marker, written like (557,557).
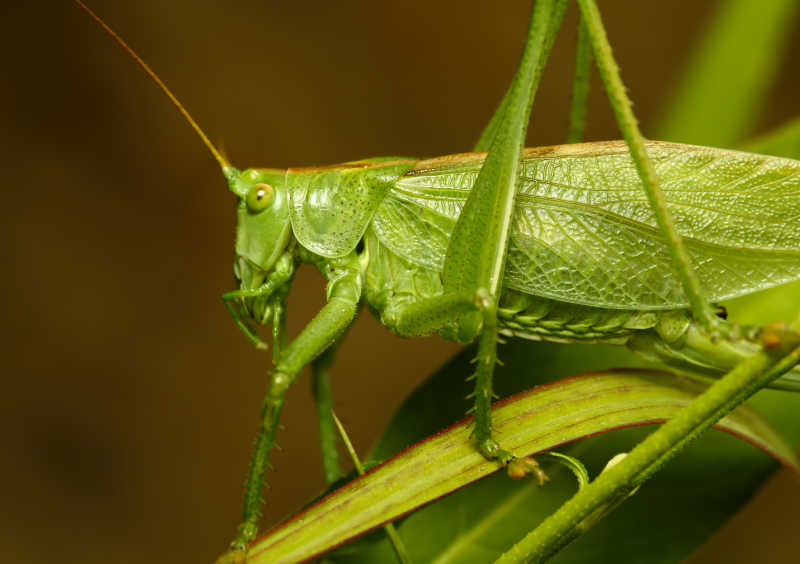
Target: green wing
(583,231)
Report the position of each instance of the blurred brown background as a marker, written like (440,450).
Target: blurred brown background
(130,399)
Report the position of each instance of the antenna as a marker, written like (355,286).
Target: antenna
(216,153)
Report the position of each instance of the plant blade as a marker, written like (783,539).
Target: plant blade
(528,423)
(737,58)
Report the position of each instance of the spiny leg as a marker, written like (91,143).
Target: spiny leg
(486,360)
(484,373)
(332,320)
(279,382)
(424,316)
(476,255)
(623,110)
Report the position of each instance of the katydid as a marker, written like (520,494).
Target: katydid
(555,243)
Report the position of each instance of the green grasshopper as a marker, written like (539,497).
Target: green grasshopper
(555,243)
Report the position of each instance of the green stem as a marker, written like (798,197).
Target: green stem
(649,455)
(580,85)
(623,111)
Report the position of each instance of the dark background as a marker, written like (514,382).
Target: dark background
(129,397)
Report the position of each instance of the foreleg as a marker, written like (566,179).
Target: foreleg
(344,293)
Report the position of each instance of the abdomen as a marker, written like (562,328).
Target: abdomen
(392,281)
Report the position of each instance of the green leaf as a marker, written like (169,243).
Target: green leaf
(531,422)
(723,89)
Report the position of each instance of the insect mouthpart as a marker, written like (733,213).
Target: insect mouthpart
(248,275)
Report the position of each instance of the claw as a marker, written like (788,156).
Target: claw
(779,336)
(771,336)
(492,451)
(521,467)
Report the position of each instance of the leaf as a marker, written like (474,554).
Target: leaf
(531,422)
(724,86)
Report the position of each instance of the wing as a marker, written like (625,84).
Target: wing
(583,231)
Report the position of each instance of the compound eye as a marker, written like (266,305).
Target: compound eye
(259,197)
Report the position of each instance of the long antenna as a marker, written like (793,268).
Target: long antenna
(217,155)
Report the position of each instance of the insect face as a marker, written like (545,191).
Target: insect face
(263,227)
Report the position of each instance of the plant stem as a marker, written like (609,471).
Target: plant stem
(648,456)
(623,111)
